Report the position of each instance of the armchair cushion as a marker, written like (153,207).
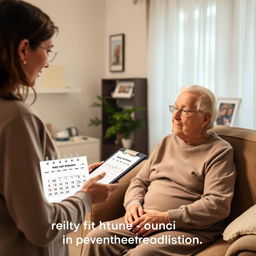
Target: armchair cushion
(245,224)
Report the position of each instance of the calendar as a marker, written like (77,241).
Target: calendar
(63,177)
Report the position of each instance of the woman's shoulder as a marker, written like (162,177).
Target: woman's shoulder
(11,110)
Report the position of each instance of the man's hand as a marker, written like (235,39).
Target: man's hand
(152,218)
(133,213)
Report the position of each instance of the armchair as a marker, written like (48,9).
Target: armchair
(244,144)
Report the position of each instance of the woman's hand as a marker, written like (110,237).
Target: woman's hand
(91,167)
(133,213)
(97,191)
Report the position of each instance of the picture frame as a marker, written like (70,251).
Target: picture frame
(227,109)
(116,52)
(123,89)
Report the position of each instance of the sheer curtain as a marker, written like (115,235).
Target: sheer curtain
(206,42)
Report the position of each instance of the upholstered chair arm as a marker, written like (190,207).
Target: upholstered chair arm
(244,245)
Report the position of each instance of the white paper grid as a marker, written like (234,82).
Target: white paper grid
(114,166)
(63,177)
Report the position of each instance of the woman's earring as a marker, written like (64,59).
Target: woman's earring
(24,62)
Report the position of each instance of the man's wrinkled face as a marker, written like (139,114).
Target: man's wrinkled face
(188,124)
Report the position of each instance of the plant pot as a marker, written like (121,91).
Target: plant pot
(118,140)
(127,143)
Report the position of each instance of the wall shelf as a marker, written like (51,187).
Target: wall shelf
(57,90)
(138,99)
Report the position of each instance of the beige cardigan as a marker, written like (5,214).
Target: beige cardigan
(25,215)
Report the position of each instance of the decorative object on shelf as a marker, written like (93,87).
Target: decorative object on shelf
(62,136)
(124,89)
(227,111)
(120,120)
(67,134)
(117,58)
(72,131)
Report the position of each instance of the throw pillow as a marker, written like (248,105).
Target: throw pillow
(245,224)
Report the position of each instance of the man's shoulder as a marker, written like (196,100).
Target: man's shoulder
(217,147)
(220,142)
(165,140)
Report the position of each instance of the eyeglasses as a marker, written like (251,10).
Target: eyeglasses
(173,109)
(50,54)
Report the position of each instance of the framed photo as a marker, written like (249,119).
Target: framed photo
(227,111)
(116,50)
(124,89)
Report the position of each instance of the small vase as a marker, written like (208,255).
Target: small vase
(127,143)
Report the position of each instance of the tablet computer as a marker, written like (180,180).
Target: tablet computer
(118,164)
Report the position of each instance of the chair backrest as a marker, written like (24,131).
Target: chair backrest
(244,144)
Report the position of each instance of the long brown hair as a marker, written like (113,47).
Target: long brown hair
(19,20)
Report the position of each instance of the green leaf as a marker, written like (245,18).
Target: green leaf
(118,120)
(95,121)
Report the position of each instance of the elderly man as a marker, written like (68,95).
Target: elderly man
(178,201)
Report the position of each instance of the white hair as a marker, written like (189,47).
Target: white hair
(205,103)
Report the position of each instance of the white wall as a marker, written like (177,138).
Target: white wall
(80,46)
(122,16)
(83,50)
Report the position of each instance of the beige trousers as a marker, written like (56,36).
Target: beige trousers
(114,247)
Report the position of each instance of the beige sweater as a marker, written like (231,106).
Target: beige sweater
(195,184)
(25,215)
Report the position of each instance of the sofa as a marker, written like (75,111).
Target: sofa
(244,144)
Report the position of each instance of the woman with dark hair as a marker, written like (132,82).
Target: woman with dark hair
(26,217)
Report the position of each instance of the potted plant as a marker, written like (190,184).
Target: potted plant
(120,121)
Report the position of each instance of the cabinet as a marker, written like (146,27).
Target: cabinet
(89,147)
(138,99)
